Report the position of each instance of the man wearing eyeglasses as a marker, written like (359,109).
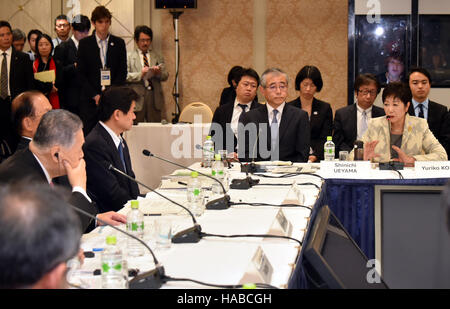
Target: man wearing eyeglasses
(146,71)
(351,122)
(62,29)
(276,131)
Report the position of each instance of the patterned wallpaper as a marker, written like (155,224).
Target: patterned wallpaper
(219,35)
(310,32)
(213,38)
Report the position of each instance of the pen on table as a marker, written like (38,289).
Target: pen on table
(151,215)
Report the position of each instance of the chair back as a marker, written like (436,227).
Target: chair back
(196,108)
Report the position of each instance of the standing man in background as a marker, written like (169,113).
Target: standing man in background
(146,71)
(16,76)
(62,28)
(102,62)
(66,53)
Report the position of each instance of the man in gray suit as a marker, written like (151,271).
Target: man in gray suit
(146,70)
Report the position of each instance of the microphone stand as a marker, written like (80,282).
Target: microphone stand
(190,235)
(220,203)
(240,184)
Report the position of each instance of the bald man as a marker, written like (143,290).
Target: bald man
(27,111)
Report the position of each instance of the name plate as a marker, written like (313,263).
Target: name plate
(262,265)
(432,169)
(345,169)
(284,223)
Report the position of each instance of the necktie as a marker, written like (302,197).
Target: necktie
(146,64)
(244,107)
(122,158)
(363,123)
(4,78)
(274,130)
(421,115)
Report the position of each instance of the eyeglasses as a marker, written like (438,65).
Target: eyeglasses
(366,92)
(282,87)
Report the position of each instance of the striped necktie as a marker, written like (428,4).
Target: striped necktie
(4,78)
(146,64)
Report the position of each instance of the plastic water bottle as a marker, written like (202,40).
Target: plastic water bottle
(329,149)
(195,195)
(112,265)
(208,152)
(218,171)
(135,226)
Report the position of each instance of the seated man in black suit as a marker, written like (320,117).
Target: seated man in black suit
(66,53)
(350,122)
(105,146)
(281,131)
(56,150)
(27,111)
(39,233)
(421,106)
(102,62)
(226,117)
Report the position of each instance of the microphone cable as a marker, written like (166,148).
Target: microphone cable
(252,236)
(269,205)
(237,286)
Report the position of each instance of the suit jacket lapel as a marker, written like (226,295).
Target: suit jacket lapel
(285,121)
(105,135)
(354,122)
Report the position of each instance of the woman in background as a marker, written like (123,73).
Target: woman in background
(308,82)
(45,62)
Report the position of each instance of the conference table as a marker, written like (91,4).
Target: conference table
(216,260)
(174,142)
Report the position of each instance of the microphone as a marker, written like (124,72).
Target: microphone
(190,235)
(152,279)
(240,184)
(359,150)
(252,167)
(220,203)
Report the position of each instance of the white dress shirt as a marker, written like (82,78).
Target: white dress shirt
(280,112)
(103,46)
(237,112)
(116,139)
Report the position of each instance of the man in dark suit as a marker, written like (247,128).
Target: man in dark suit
(350,122)
(56,150)
(227,116)
(16,76)
(421,106)
(27,111)
(105,146)
(102,62)
(280,131)
(66,53)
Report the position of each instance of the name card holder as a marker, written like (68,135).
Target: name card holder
(432,169)
(281,226)
(345,169)
(259,271)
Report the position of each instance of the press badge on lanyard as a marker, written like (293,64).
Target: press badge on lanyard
(105,73)
(105,77)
